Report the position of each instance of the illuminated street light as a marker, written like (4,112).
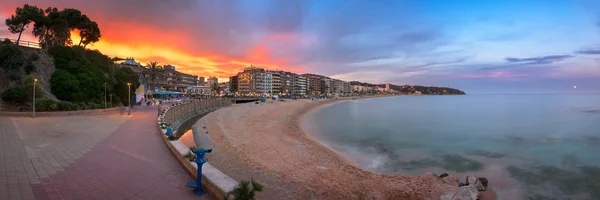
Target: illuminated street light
(129,97)
(33,111)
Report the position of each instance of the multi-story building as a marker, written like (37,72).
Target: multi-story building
(201,80)
(178,81)
(251,81)
(288,82)
(346,88)
(268,83)
(314,84)
(212,81)
(300,85)
(233,84)
(276,83)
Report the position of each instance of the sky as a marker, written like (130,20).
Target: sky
(478,46)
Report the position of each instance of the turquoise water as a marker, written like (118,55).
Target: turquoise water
(522,136)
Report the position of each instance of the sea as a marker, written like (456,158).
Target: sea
(527,146)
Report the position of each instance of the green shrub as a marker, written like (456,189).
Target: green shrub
(34,57)
(67,106)
(6,41)
(82,105)
(43,105)
(15,95)
(11,57)
(243,191)
(172,138)
(29,67)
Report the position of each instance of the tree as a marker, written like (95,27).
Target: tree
(123,76)
(88,31)
(65,85)
(154,72)
(23,17)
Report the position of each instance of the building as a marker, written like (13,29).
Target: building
(276,82)
(251,81)
(178,81)
(224,86)
(268,83)
(300,85)
(233,84)
(201,80)
(212,81)
(199,90)
(313,84)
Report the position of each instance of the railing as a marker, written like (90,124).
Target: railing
(178,113)
(25,43)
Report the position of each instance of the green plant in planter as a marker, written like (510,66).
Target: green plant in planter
(172,138)
(190,156)
(243,191)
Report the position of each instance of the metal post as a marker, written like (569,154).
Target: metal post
(129,97)
(33,111)
(200,160)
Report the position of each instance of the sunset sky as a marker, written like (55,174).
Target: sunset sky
(480,46)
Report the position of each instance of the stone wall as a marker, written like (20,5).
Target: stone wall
(178,113)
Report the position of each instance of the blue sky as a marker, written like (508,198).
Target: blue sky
(487,46)
(480,46)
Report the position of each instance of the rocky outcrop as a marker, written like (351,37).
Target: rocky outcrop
(44,67)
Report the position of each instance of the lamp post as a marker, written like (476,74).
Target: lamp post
(33,111)
(129,97)
(104,96)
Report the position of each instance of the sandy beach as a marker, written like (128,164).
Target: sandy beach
(270,141)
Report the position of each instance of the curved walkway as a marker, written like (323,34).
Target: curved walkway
(89,157)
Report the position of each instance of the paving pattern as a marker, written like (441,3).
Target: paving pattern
(88,157)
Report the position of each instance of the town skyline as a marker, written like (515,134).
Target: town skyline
(493,46)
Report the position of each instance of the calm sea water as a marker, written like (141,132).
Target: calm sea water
(525,137)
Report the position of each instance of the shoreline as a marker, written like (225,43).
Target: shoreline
(269,139)
(310,134)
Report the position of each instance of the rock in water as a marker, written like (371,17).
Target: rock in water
(462,193)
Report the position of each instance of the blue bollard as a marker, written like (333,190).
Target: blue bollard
(200,160)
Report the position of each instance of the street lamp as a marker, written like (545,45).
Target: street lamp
(104,96)
(34,82)
(129,97)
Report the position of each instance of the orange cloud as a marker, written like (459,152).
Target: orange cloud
(177,47)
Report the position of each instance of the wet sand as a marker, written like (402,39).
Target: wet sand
(267,142)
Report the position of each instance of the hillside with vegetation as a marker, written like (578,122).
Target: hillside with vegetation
(411,89)
(69,77)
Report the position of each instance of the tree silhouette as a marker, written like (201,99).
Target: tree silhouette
(22,18)
(154,71)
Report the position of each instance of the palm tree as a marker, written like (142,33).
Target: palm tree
(154,72)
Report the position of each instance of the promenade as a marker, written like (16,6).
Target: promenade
(106,156)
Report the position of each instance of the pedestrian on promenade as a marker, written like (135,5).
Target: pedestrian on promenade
(169,130)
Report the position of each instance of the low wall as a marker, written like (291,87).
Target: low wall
(59,113)
(216,183)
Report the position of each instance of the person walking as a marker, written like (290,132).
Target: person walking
(159,110)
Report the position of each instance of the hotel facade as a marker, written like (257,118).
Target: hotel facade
(254,81)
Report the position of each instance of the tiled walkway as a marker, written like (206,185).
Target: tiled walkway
(89,157)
